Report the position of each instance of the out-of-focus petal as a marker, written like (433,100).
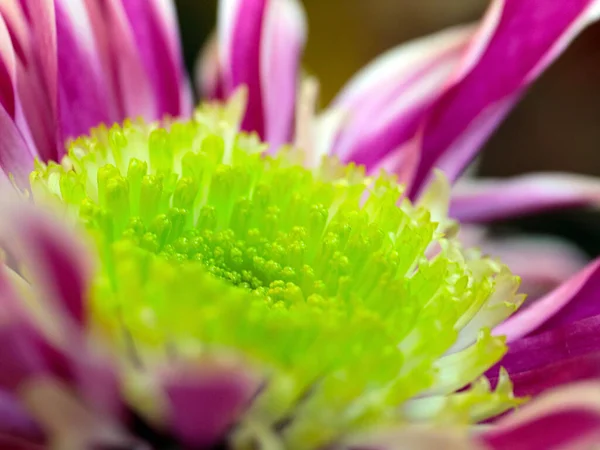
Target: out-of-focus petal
(568,418)
(284,36)
(208,72)
(154,27)
(260,43)
(240,37)
(412,438)
(387,100)
(528,34)
(553,358)
(16,425)
(205,401)
(82,98)
(491,199)
(575,299)
(58,266)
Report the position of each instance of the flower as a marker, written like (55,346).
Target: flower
(425,104)
(240,299)
(197,292)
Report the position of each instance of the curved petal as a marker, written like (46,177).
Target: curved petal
(386,101)
(483,200)
(206,401)
(575,299)
(542,263)
(58,265)
(566,418)
(260,43)
(16,424)
(154,28)
(528,34)
(284,36)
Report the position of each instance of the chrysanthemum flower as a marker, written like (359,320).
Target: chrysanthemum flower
(203,289)
(428,103)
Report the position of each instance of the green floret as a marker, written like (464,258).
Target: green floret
(349,300)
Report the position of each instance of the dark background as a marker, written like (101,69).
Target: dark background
(555,128)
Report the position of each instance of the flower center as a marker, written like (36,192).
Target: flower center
(349,304)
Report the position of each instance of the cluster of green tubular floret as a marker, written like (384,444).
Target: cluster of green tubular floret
(345,296)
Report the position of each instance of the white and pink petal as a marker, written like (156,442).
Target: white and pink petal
(522,38)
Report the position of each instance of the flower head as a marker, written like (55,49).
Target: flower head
(305,296)
(215,289)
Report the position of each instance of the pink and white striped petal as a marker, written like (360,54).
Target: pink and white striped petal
(521,38)
(483,200)
(564,419)
(386,101)
(575,299)
(153,25)
(259,45)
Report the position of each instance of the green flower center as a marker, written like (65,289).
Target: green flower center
(348,304)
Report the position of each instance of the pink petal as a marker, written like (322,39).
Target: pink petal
(520,40)
(16,426)
(206,402)
(567,418)
(486,200)
(154,27)
(284,35)
(15,155)
(57,263)
(240,38)
(387,100)
(542,263)
(575,299)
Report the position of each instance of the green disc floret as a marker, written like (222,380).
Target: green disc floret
(348,299)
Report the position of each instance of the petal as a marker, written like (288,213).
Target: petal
(57,263)
(488,199)
(260,43)
(412,438)
(83,100)
(542,263)
(154,27)
(240,37)
(283,40)
(17,428)
(122,65)
(15,155)
(208,72)
(565,418)
(516,43)
(206,401)
(387,100)
(553,358)
(575,299)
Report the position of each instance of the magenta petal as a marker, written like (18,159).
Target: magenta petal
(482,200)
(575,299)
(283,40)
(16,426)
(555,357)
(15,156)
(240,36)
(83,97)
(58,264)
(567,418)
(154,27)
(386,101)
(205,404)
(521,38)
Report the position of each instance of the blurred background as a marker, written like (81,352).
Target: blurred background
(555,127)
